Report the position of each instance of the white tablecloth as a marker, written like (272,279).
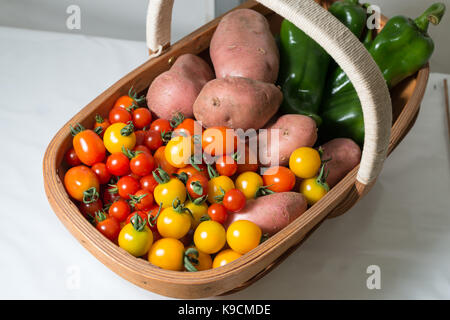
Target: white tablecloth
(402,226)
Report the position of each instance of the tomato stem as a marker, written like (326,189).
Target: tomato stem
(127,130)
(77,129)
(90,195)
(163,176)
(177,119)
(190,261)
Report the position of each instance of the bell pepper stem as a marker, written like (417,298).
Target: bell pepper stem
(433,14)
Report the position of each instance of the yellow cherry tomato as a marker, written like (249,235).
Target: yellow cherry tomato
(173,222)
(313,189)
(119,135)
(209,237)
(167,192)
(178,151)
(249,183)
(203,260)
(217,186)
(243,236)
(305,162)
(198,211)
(167,253)
(224,257)
(136,237)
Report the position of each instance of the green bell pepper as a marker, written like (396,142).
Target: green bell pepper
(400,49)
(304,63)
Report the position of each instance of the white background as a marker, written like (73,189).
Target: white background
(402,225)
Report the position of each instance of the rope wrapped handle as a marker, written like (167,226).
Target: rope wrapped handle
(341,45)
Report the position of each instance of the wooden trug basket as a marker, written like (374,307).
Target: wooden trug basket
(237,275)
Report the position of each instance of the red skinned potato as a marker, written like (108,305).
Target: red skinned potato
(272,212)
(345,154)
(294,131)
(175,90)
(243,46)
(237,102)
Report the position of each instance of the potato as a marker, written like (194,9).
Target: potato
(237,102)
(272,212)
(243,46)
(345,154)
(175,90)
(294,131)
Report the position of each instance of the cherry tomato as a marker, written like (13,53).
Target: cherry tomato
(153,214)
(118,136)
(191,170)
(118,164)
(148,183)
(165,193)
(89,147)
(224,257)
(136,237)
(119,115)
(110,195)
(197,186)
(80,179)
(142,214)
(142,200)
(102,172)
(142,118)
(178,151)
(249,183)
(187,128)
(161,126)
(198,210)
(209,237)
(217,141)
(119,210)
(127,185)
(305,162)
(89,209)
(202,260)
(140,137)
(108,226)
(142,148)
(279,179)
(243,236)
(161,161)
(218,186)
(173,224)
(226,166)
(153,140)
(100,122)
(234,200)
(315,188)
(130,101)
(167,253)
(217,212)
(142,164)
(72,158)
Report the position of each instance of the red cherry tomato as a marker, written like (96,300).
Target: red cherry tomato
(197,186)
(142,118)
(279,179)
(72,158)
(153,212)
(142,214)
(161,125)
(143,149)
(89,209)
(217,212)
(119,115)
(118,164)
(234,200)
(144,200)
(153,140)
(110,197)
(119,210)
(226,166)
(142,164)
(148,183)
(140,137)
(89,147)
(102,172)
(127,185)
(109,227)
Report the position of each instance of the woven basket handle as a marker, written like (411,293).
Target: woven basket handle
(345,49)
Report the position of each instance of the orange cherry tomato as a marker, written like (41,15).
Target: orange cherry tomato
(160,160)
(78,180)
(188,127)
(89,147)
(279,179)
(100,122)
(218,141)
(191,171)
